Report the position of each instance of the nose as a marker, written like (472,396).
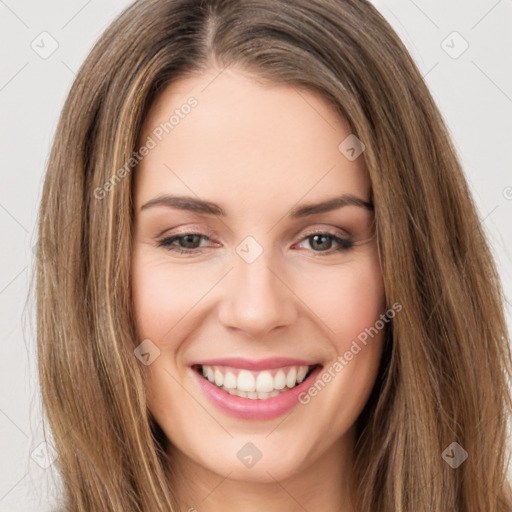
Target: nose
(258,300)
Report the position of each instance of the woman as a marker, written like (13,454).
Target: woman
(272,290)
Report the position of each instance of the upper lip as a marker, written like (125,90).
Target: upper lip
(261,364)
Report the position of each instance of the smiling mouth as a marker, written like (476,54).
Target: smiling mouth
(255,384)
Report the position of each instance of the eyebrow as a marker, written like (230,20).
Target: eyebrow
(206,207)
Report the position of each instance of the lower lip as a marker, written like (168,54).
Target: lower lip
(255,409)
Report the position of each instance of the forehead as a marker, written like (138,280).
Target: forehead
(245,141)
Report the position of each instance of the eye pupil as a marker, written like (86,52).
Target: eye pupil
(325,245)
(184,240)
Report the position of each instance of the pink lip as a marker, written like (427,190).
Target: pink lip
(262,364)
(249,409)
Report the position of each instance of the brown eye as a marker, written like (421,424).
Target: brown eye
(187,243)
(321,242)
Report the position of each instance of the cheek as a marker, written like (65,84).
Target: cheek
(351,305)
(163,298)
(162,295)
(360,302)
(347,300)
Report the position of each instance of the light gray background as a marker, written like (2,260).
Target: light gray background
(473,91)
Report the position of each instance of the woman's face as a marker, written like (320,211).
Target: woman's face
(257,299)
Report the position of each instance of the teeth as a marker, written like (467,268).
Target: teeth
(291,378)
(301,373)
(245,381)
(264,382)
(230,380)
(219,378)
(255,385)
(280,380)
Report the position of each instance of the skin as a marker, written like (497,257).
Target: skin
(257,150)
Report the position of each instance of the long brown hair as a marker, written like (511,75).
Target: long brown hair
(444,373)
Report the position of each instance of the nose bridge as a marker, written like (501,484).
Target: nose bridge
(257,300)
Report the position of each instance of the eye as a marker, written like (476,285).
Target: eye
(320,242)
(187,243)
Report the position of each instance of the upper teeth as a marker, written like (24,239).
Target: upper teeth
(248,381)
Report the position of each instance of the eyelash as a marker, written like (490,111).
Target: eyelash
(345,244)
